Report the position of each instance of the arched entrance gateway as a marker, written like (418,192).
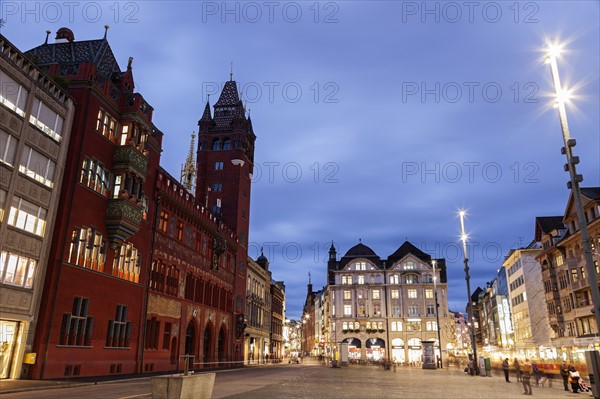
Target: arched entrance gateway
(221,347)
(354,347)
(206,345)
(375,349)
(398,351)
(190,342)
(415,351)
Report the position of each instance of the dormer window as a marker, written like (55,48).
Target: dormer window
(409,265)
(361,266)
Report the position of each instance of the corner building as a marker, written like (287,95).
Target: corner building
(35,127)
(95,287)
(384,309)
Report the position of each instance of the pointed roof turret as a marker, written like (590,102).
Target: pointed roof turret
(206,115)
(250,127)
(229,95)
(229,106)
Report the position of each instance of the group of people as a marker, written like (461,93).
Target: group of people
(570,376)
(525,372)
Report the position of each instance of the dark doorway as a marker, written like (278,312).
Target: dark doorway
(206,346)
(190,338)
(221,346)
(174,351)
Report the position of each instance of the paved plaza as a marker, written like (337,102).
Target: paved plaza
(308,381)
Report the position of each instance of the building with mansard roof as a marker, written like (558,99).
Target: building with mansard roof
(385,308)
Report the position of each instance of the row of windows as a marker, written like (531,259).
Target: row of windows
(88,248)
(513,269)
(14,97)
(27,216)
(77,326)
(395,294)
(126,264)
(130,134)
(394,279)
(48,121)
(518,299)
(206,293)
(413,310)
(164,278)
(395,326)
(17,270)
(12,94)
(517,283)
(176,228)
(33,164)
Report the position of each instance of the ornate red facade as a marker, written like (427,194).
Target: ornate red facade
(141,272)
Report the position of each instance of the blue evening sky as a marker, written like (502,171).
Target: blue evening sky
(374,120)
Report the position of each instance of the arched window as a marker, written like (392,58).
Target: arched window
(368,325)
(227,144)
(216,145)
(345,326)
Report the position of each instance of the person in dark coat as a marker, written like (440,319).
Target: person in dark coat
(574,379)
(564,373)
(505,368)
(517,368)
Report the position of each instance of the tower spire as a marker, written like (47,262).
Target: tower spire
(188,170)
(231,71)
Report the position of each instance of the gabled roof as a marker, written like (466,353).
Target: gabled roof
(589,193)
(97,52)
(405,249)
(545,224)
(592,193)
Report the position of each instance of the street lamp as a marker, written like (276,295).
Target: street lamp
(463,237)
(437,314)
(562,95)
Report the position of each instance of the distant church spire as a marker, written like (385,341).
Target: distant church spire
(188,170)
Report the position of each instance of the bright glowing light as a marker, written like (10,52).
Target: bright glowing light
(464,237)
(563,96)
(554,50)
(461,213)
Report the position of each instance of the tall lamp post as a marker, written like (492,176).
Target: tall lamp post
(437,314)
(573,184)
(463,237)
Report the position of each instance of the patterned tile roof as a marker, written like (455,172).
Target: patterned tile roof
(229,95)
(97,52)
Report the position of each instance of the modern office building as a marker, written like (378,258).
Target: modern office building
(36,114)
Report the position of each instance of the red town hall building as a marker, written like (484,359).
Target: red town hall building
(141,271)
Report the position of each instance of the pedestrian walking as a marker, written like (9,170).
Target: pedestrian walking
(564,373)
(574,379)
(517,368)
(526,378)
(505,368)
(536,373)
